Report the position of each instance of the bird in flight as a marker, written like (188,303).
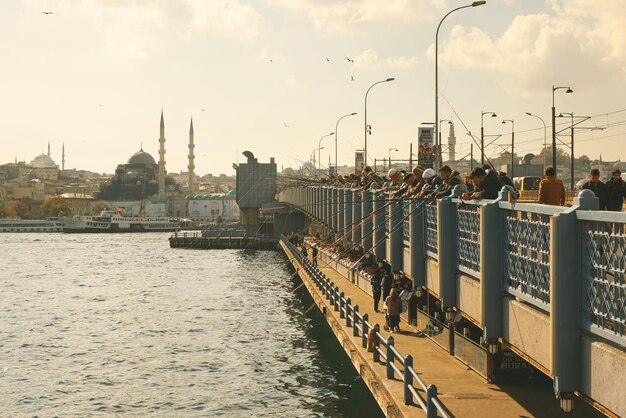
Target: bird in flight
(285,125)
(327,59)
(349,60)
(271,60)
(202,110)
(352,78)
(47,13)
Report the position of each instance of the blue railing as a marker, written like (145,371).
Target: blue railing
(604,276)
(468,225)
(396,364)
(406,226)
(431,229)
(526,231)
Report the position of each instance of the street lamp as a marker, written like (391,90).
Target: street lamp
(544,136)
(336,129)
(568,90)
(391,149)
(312,156)
(319,147)
(365,125)
(511,174)
(474,4)
(482,134)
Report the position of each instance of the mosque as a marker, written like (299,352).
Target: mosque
(142,177)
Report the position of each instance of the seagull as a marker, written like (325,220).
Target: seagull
(349,60)
(285,125)
(47,13)
(352,78)
(327,60)
(271,60)
(202,110)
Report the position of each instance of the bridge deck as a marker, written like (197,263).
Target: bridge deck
(462,391)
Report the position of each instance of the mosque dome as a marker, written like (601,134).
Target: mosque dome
(43,161)
(142,157)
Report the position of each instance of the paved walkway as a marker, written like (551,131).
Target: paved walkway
(462,391)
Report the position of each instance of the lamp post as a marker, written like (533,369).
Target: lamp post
(474,4)
(336,129)
(482,134)
(544,136)
(391,149)
(511,174)
(568,90)
(365,124)
(312,157)
(319,148)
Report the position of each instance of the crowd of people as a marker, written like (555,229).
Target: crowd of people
(481,183)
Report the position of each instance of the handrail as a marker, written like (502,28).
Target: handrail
(432,405)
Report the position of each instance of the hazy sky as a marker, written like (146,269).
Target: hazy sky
(95,74)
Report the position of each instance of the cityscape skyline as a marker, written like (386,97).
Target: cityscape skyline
(274,77)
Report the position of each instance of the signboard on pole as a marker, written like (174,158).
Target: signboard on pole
(359,162)
(425,149)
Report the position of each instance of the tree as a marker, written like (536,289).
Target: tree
(99,207)
(22,209)
(56,206)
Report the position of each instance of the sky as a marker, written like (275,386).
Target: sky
(271,77)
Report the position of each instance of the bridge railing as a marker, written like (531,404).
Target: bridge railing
(397,365)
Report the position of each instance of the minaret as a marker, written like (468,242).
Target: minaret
(451,143)
(162,159)
(63,157)
(191,157)
(48,148)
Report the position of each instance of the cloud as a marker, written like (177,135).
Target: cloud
(341,16)
(583,41)
(370,59)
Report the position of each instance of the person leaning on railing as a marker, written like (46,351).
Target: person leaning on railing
(486,185)
(551,189)
(450,178)
(616,191)
(597,187)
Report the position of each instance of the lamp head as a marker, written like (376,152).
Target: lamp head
(569,90)
(478,3)
(493,115)
(529,114)
(353,113)
(390,79)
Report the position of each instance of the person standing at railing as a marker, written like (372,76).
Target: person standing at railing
(616,191)
(450,178)
(597,187)
(314,251)
(486,184)
(393,303)
(376,283)
(387,283)
(551,189)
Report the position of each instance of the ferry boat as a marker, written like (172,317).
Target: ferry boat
(112,221)
(27,225)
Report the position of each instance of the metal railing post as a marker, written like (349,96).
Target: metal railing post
(431,409)
(390,357)
(408,379)
(348,310)
(336,293)
(376,354)
(341,305)
(365,330)
(355,321)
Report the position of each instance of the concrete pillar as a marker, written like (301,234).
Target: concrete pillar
(396,240)
(333,209)
(356,216)
(447,236)
(367,207)
(418,242)
(326,205)
(491,274)
(347,213)
(380,219)
(566,295)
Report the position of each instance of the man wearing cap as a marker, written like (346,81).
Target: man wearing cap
(394,180)
(616,191)
(433,182)
(597,187)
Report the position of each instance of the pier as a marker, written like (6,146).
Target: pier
(195,240)
(541,282)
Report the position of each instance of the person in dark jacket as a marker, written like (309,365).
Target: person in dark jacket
(506,181)
(486,185)
(387,284)
(314,251)
(597,187)
(450,178)
(376,289)
(616,191)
